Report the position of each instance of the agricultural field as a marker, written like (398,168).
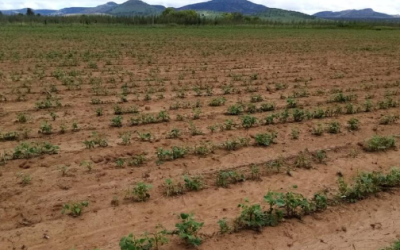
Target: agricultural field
(209,137)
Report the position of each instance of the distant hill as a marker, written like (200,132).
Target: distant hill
(353,14)
(242,6)
(129,8)
(284,15)
(101,9)
(44,12)
(136,7)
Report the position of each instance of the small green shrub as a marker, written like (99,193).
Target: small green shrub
(334,128)
(141,192)
(318,130)
(225,178)
(235,144)
(147,241)
(388,119)
(188,229)
(303,160)
(74,209)
(266,139)
(353,124)
(379,143)
(172,189)
(395,246)
(248,121)
(116,121)
(45,128)
(236,109)
(27,150)
(193,183)
(366,184)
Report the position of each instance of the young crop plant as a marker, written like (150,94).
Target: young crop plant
(194,130)
(270,119)
(53,116)
(229,124)
(96,101)
(303,160)
(388,119)
(251,108)
(74,209)
(213,128)
(140,192)
(236,109)
(248,121)
(321,156)
(193,183)
(9,136)
(224,226)
(120,163)
(163,116)
(219,101)
(379,143)
(45,128)
(63,128)
(196,113)
(74,127)
(173,154)
(353,124)
(299,115)
(174,134)
(22,118)
(188,229)
(96,139)
(235,144)
(266,139)
(173,189)
(224,178)
(88,165)
(368,106)
(318,114)
(126,138)
(204,149)
(367,184)
(147,241)
(388,103)
(256,98)
(251,217)
(318,130)
(334,128)
(265,107)
(283,117)
(137,160)
(26,150)
(340,97)
(145,136)
(26,179)
(291,103)
(295,134)
(116,121)
(395,246)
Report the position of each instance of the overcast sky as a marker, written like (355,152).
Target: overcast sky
(306,6)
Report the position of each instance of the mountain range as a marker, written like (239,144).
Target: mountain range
(138,7)
(353,14)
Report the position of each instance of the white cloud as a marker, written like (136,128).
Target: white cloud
(306,6)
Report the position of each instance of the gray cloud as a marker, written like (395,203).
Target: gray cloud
(306,6)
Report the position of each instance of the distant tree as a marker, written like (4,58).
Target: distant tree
(168,11)
(1,13)
(30,12)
